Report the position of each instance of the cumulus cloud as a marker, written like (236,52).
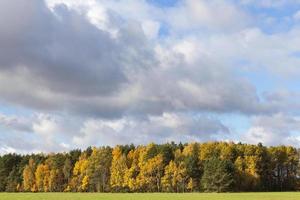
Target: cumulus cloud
(102,72)
(53,132)
(63,56)
(65,62)
(208,15)
(165,128)
(37,133)
(278,129)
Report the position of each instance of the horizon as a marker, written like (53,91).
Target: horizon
(80,73)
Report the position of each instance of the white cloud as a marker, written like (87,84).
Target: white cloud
(165,128)
(297,15)
(211,15)
(278,129)
(151,28)
(279,4)
(106,63)
(37,133)
(15,123)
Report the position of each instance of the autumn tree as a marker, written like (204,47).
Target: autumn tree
(118,169)
(211,166)
(79,181)
(133,170)
(175,177)
(151,173)
(29,177)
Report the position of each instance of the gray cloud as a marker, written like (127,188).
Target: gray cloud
(165,128)
(107,73)
(37,133)
(278,129)
(15,123)
(58,60)
(48,133)
(54,59)
(65,56)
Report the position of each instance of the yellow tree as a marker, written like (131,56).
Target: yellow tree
(118,169)
(175,177)
(246,177)
(39,177)
(29,177)
(151,173)
(46,180)
(42,175)
(133,170)
(84,183)
(79,180)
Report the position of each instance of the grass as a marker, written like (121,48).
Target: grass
(151,196)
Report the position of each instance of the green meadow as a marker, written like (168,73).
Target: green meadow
(151,196)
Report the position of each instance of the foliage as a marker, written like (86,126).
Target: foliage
(153,196)
(218,175)
(212,166)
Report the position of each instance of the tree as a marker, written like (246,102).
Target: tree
(67,172)
(13,180)
(118,169)
(175,177)
(98,169)
(39,177)
(133,170)
(79,180)
(193,165)
(212,166)
(8,179)
(218,175)
(284,167)
(151,174)
(246,176)
(29,177)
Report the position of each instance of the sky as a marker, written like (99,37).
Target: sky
(79,73)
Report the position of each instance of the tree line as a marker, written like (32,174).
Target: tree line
(193,167)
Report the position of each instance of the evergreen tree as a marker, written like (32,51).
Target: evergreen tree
(218,175)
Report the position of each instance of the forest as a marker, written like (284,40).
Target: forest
(170,167)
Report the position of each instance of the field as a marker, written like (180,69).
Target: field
(149,196)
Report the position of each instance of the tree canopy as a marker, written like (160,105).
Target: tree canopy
(193,167)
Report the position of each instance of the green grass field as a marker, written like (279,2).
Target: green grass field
(156,196)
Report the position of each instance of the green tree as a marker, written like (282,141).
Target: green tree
(98,169)
(218,175)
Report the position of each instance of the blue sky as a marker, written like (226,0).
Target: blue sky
(78,73)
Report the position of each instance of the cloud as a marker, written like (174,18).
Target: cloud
(15,123)
(278,129)
(165,128)
(297,15)
(65,62)
(108,72)
(209,15)
(37,133)
(64,57)
(279,4)
(48,133)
